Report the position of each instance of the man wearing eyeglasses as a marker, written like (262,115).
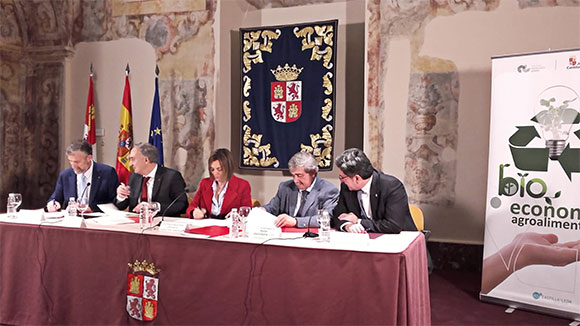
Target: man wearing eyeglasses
(369,200)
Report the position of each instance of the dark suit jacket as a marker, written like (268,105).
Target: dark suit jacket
(323,196)
(103,186)
(238,194)
(168,185)
(389,206)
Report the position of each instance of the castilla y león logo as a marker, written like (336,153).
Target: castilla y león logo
(557,116)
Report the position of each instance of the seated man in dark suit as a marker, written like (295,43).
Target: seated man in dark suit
(369,200)
(85,178)
(151,182)
(297,201)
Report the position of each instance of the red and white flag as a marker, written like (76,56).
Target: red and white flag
(89,133)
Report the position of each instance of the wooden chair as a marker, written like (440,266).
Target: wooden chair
(418,218)
(417,215)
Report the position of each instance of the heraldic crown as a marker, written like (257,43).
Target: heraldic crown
(143,266)
(286,73)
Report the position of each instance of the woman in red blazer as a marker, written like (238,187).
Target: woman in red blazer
(222,191)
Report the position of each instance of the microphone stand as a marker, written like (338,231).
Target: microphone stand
(185,191)
(84,190)
(83,194)
(309,234)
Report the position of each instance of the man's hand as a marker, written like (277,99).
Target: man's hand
(350,217)
(198,213)
(123,191)
(53,206)
(137,208)
(285,220)
(355,228)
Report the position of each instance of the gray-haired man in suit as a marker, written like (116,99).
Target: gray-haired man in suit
(297,201)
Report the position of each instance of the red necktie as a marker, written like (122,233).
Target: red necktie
(144,189)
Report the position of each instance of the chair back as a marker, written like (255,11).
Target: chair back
(417,216)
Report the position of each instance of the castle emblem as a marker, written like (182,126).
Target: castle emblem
(142,291)
(286,94)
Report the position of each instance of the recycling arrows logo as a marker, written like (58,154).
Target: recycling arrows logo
(556,114)
(536,159)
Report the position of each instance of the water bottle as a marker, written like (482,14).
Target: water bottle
(235,223)
(144,216)
(71,208)
(324,230)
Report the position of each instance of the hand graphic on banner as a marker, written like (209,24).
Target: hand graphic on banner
(527,249)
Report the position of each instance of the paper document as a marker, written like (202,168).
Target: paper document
(261,224)
(112,210)
(115,219)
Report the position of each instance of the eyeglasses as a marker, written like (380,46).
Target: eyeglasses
(342,177)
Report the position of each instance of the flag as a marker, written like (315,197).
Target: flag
(89,131)
(288,94)
(155,134)
(125,142)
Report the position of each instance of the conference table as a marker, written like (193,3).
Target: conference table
(51,274)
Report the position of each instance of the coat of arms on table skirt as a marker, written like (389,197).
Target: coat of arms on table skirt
(142,290)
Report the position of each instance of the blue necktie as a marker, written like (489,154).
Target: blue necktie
(83,186)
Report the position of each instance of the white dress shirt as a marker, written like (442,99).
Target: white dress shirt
(364,199)
(216,203)
(299,202)
(84,189)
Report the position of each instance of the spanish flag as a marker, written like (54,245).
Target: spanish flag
(125,142)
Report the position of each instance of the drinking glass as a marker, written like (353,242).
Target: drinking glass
(154,208)
(14,201)
(244,212)
(83,205)
(17,200)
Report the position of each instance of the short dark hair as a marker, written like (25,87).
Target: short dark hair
(353,161)
(79,145)
(224,156)
(149,151)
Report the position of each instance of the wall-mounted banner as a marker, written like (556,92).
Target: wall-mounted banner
(288,94)
(532,227)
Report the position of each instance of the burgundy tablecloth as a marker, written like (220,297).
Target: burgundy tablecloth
(51,275)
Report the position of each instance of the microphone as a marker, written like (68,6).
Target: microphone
(185,191)
(309,234)
(84,190)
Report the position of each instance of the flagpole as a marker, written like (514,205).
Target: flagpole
(89,132)
(155,129)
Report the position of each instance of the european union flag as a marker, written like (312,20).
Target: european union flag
(155,134)
(288,94)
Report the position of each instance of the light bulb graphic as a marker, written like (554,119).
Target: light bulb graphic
(556,111)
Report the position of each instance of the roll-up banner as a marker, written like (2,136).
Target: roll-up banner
(532,227)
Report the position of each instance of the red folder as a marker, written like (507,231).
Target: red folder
(297,230)
(212,231)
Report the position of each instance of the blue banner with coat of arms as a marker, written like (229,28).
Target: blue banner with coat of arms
(288,94)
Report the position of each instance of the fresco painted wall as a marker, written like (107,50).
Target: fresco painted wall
(427,86)
(446,47)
